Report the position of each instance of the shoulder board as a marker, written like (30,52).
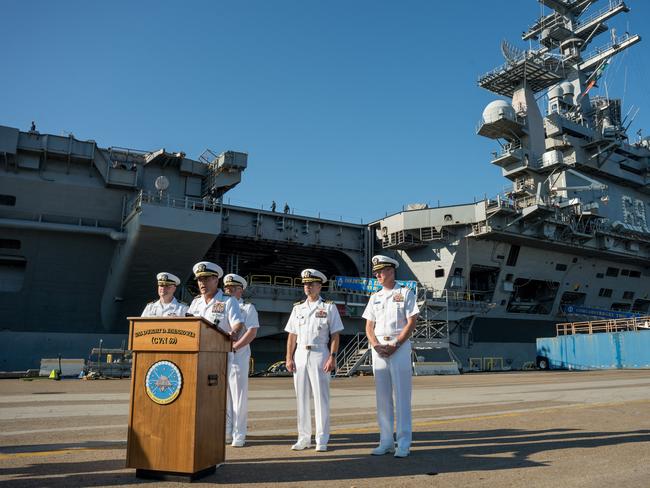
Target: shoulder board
(247,303)
(298,303)
(181,303)
(329,302)
(152,302)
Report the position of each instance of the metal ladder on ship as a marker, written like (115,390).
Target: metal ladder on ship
(354,357)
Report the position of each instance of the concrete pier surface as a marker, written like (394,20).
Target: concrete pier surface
(524,429)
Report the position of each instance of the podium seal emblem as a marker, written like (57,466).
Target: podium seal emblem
(163,382)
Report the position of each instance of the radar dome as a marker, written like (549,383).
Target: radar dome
(568,92)
(498,109)
(556,92)
(161,183)
(567,87)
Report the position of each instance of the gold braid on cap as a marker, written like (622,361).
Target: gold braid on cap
(383,265)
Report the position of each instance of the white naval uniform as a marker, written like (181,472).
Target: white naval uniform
(223,310)
(160,309)
(389,310)
(313,324)
(238,364)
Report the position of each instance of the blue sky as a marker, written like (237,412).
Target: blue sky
(347,108)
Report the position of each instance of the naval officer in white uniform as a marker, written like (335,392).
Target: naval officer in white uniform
(390,319)
(212,304)
(166,305)
(314,326)
(238,363)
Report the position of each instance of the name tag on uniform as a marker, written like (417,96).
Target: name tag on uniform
(219,307)
(321,314)
(398,297)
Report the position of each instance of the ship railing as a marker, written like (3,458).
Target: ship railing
(430,329)
(125,155)
(262,290)
(526,202)
(423,292)
(281,281)
(167,200)
(521,120)
(414,237)
(504,67)
(510,146)
(507,201)
(501,200)
(450,295)
(601,49)
(574,117)
(612,5)
(536,57)
(546,20)
(599,326)
(208,157)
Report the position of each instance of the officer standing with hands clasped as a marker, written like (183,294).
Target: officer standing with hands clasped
(313,327)
(390,319)
(238,363)
(166,305)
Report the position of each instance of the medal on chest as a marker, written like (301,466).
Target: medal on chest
(218,307)
(398,297)
(321,313)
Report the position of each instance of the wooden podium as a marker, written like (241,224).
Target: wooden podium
(177,412)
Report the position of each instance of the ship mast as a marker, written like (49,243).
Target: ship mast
(567,163)
(566,68)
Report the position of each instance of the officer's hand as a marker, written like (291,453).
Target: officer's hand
(389,349)
(330,365)
(380,349)
(291,366)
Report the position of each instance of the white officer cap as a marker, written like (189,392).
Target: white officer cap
(233,279)
(206,268)
(166,279)
(381,262)
(311,275)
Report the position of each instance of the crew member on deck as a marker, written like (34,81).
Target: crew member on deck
(390,319)
(314,326)
(238,363)
(212,304)
(166,305)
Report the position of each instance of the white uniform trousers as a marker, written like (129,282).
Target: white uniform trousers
(309,377)
(237,404)
(393,385)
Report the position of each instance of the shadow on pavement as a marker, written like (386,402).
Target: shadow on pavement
(432,453)
(59,447)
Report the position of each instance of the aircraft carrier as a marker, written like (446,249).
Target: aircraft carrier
(84,229)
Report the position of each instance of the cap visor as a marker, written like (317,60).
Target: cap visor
(206,273)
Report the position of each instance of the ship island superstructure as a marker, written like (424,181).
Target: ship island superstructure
(571,236)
